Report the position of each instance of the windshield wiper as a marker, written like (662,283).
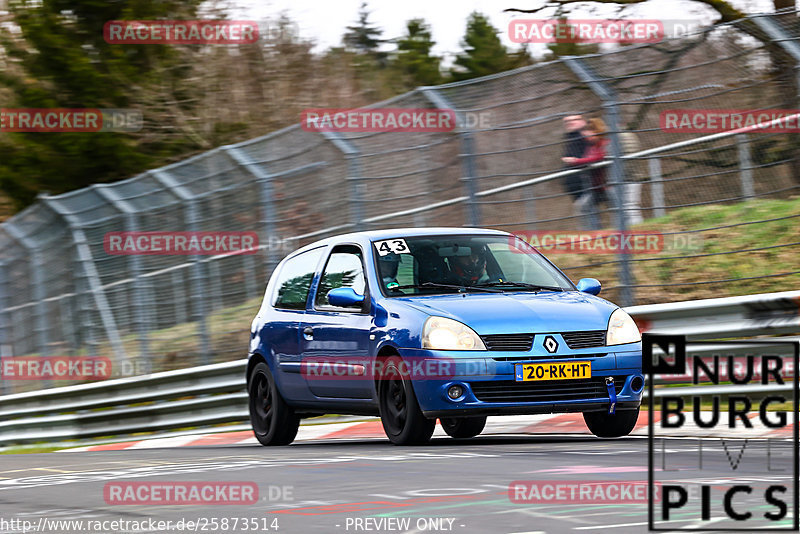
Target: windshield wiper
(478,287)
(526,285)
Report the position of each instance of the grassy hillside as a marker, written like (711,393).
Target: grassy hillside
(724,232)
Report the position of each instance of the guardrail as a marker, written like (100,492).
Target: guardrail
(198,396)
(215,394)
(750,315)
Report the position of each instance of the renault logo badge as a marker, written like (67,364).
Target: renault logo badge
(550,344)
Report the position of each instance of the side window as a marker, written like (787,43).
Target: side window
(294,280)
(344,269)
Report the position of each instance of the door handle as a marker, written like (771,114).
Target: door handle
(308,333)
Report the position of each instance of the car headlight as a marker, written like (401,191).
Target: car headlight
(622,329)
(441,333)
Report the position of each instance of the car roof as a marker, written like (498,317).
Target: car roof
(378,235)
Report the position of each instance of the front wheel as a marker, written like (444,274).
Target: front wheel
(401,416)
(463,427)
(604,425)
(274,422)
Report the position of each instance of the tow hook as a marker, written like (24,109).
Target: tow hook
(612,395)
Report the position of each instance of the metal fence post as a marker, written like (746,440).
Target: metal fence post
(786,41)
(197,281)
(269,217)
(139,287)
(617,174)
(67,315)
(40,328)
(421,218)
(248,262)
(86,334)
(657,187)
(358,189)
(181,316)
(89,268)
(198,276)
(470,177)
(745,166)
(212,267)
(354,176)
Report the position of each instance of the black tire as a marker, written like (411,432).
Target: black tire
(274,422)
(401,417)
(603,425)
(463,427)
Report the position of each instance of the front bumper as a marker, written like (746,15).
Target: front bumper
(489,387)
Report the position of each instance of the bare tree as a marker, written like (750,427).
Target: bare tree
(784,67)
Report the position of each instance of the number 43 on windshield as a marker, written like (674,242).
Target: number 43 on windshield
(396,246)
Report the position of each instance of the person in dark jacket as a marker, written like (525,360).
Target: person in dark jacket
(596,151)
(575,146)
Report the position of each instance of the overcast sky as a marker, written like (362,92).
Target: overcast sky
(325,21)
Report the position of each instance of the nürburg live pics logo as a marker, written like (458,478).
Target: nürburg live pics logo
(724,450)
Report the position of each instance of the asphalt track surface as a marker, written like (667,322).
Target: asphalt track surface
(446,486)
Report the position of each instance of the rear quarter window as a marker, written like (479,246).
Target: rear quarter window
(294,280)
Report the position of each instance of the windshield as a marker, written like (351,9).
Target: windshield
(446,264)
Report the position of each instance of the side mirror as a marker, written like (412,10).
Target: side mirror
(589,285)
(345,297)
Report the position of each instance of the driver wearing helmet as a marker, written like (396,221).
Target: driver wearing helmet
(470,269)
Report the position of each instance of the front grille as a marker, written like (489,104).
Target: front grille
(523,342)
(516,342)
(512,391)
(585,339)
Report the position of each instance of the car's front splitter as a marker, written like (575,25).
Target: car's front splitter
(489,410)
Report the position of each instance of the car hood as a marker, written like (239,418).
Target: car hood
(517,312)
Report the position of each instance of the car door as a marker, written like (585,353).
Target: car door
(282,330)
(338,337)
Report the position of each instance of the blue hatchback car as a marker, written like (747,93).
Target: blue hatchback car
(454,324)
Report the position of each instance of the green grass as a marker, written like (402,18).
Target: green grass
(33,449)
(706,268)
